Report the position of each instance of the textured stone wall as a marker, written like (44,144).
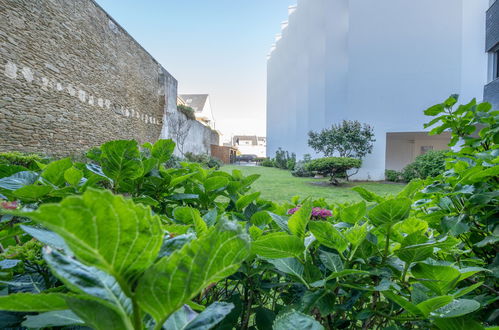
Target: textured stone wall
(72,78)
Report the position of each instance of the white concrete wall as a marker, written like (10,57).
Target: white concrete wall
(198,139)
(380,62)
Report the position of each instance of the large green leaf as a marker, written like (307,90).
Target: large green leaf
(402,302)
(32,192)
(73,176)
(296,320)
(278,245)
(391,211)
(52,319)
(457,308)
(18,180)
(464,322)
(353,213)
(176,279)
(28,302)
(331,261)
(54,172)
(97,315)
(89,280)
(289,266)
(186,319)
(245,200)
(356,234)
(432,304)
(215,183)
(297,223)
(163,150)
(120,160)
(328,235)
(7,170)
(440,279)
(368,195)
(106,231)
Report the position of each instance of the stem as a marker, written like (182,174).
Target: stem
(404,273)
(387,245)
(137,317)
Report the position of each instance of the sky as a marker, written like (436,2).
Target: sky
(216,47)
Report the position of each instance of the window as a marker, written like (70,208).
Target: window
(496,64)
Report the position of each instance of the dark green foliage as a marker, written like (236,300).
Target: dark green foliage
(187,111)
(301,170)
(334,167)
(348,139)
(267,162)
(393,176)
(203,159)
(26,160)
(430,164)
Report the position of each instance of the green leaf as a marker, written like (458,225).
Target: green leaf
(54,172)
(432,304)
(434,110)
(32,192)
(297,223)
(89,280)
(328,235)
(210,317)
(357,234)
(461,292)
(280,221)
(120,160)
(368,195)
(105,231)
(199,224)
(28,302)
(391,211)
(244,201)
(440,279)
(7,170)
(163,150)
(353,213)
(278,245)
(187,271)
(97,315)
(215,183)
(457,308)
(342,273)
(73,176)
(149,164)
(178,180)
(331,261)
(18,180)
(402,302)
(289,266)
(296,320)
(52,319)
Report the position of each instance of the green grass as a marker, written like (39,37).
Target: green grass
(279,186)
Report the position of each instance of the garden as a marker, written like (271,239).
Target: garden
(129,239)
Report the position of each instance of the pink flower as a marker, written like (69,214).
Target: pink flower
(317,212)
(9,205)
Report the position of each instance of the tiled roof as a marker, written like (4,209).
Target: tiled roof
(195,101)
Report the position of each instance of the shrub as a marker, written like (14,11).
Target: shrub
(206,160)
(291,162)
(334,167)
(27,160)
(301,170)
(267,162)
(187,111)
(392,175)
(430,164)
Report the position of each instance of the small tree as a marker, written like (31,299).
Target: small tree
(179,126)
(348,139)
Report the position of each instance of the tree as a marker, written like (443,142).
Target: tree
(348,139)
(179,125)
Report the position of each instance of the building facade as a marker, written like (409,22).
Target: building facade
(250,145)
(491,90)
(379,62)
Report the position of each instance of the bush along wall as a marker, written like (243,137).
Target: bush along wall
(122,242)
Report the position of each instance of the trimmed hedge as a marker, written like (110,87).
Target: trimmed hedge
(430,164)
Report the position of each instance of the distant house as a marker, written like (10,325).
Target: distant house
(250,144)
(200,103)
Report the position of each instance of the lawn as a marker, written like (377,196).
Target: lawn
(279,186)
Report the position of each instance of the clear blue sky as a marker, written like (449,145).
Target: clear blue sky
(211,46)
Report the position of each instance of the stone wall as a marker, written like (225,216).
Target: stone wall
(72,78)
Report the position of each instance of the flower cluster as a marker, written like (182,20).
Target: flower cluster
(9,205)
(317,212)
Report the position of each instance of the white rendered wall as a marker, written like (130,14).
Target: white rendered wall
(380,62)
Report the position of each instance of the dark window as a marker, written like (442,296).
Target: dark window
(496,64)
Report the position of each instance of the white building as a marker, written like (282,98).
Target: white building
(380,62)
(250,145)
(201,105)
